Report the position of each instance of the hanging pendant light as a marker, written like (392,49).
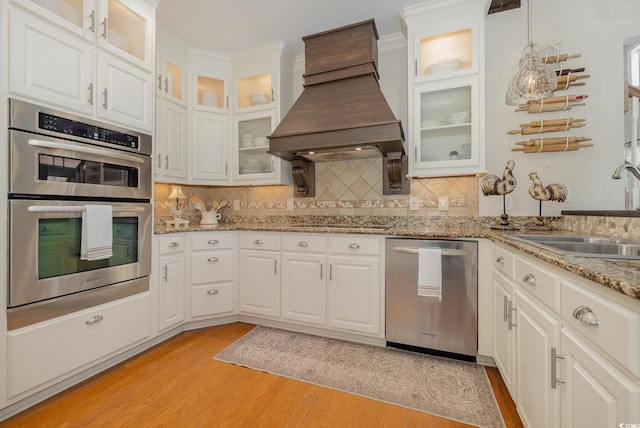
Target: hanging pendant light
(535,79)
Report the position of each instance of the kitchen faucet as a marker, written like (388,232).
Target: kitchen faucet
(628,166)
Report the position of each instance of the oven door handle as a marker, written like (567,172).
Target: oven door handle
(87,150)
(73,209)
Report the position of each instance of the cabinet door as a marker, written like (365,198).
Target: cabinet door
(171,156)
(259,282)
(252,163)
(447,121)
(210,91)
(171,82)
(255,89)
(503,330)
(125,94)
(304,288)
(354,294)
(210,147)
(538,333)
(595,394)
(127,28)
(171,290)
(50,64)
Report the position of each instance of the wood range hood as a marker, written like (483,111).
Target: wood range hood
(341,113)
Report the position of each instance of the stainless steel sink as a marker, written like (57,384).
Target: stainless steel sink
(584,246)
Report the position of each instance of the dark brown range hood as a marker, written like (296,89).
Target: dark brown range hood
(341,113)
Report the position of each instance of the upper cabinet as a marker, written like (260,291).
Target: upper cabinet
(91,57)
(445,87)
(171,70)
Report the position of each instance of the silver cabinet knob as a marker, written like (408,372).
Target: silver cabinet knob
(212,259)
(94,319)
(213,242)
(303,244)
(529,279)
(586,315)
(173,244)
(258,242)
(213,292)
(500,260)
(354,246)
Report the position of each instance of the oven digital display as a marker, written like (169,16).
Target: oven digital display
(65,126)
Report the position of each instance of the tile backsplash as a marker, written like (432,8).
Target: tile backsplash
(342,188)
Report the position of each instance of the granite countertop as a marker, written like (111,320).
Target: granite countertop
(620,275)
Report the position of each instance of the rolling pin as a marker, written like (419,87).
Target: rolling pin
(552,141)
(545,128)
(559,58)
(550,122)
(562,98)
(541,108)
(551,148)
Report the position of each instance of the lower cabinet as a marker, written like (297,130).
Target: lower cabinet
(46,352)
(304,287)
(171,278)
(259,274)
(567,352)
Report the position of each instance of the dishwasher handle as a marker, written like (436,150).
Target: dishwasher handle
(445,251)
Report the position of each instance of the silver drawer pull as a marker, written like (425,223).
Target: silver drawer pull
(173,244)
(212,259)
(213,292)
(213,242)
(586,315)
(500,260)
(529,279)
(258,242)
(94,319)
(302,244)
(354,246)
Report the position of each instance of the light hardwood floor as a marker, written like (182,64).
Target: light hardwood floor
(178,384)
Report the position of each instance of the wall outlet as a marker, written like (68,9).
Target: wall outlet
(236,205)
(414,203)
(508,202)
(443,203)
(290,204)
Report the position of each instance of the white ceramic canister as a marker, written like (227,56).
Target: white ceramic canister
(210,218)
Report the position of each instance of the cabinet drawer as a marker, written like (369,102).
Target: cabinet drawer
(212,266)
(211,241)
(617,330)
(169,245)
(353,244)
(45,351)
(306,243)
(212,299)
(540,283)
(260,241)
(503,261)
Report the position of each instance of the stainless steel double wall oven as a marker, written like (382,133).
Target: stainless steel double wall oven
(59,163)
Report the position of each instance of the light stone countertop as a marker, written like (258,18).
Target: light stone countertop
(620,275)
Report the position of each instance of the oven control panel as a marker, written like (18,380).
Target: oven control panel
(62,125)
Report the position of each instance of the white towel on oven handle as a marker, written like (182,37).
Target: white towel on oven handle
(97,236)
(430,272)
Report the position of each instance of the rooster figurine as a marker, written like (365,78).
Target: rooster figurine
(493,185)
(552,192)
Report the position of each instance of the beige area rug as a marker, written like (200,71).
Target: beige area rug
(451,389)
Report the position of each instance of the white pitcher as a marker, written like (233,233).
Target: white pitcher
(210,218)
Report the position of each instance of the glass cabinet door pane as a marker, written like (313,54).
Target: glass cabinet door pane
(71,10)
(174,80)
(445,125)
(253,145)
(445,53)
(256,90)
(126,29)
(211,92)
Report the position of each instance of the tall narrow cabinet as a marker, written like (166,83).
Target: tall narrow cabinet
(445,87)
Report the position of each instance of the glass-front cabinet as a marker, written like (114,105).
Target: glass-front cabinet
(255,91)
(445,88)
(252,162)
(447,129)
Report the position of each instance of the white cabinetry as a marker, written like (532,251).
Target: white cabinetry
(99,66)
(262,95)
(171,278)
(259,274)
(304,278)
(210,141)
(44,353)
(575,345)
(446,90)
(212,274)
(171,149)
(355,294)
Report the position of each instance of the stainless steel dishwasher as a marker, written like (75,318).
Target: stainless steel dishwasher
(444,322)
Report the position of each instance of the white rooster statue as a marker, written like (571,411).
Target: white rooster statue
(493,185)
(552,192)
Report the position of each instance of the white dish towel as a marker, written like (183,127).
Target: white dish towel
(430,272)
(97,236)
